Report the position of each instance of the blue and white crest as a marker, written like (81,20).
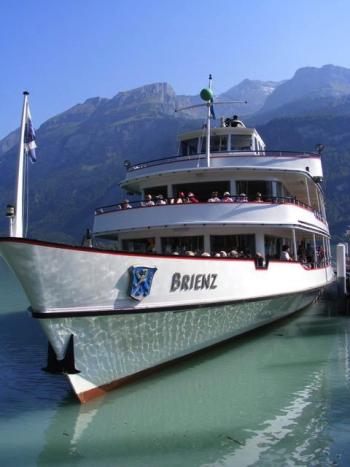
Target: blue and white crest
(140,281)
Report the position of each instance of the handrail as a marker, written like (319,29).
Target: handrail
(236,200)
(235,153)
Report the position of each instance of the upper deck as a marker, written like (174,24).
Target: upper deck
(230,148)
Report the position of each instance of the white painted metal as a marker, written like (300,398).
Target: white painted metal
(341,269)
(58,279)
(295,249)
(288,162)
(178,215)
(17,229)
(121,346)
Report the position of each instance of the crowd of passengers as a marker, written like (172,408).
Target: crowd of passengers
(243,254)
(191,198)
(305,255)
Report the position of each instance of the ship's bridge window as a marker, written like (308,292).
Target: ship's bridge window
(202,190)
(189,147)
(180,245)
(257,146)
(139,245)
(241,243)
(217,143)
(241,142)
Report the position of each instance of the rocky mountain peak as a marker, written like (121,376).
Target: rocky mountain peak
(310,82)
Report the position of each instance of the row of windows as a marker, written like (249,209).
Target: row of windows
(243,244)
(235,246)
(219,143)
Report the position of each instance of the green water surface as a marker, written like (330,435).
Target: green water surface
(276,397)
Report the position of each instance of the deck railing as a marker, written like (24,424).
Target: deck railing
(243,153)
(122,206)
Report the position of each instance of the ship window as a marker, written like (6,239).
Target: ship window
(202,190)
(180,245)
(240,243)
(281,190)
(252,187)
(189,147)
(273,246)
(241,142)
(217,143)
(139,245)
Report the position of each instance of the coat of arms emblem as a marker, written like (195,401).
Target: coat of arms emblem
(140,281)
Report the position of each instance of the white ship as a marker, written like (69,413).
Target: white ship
(179,275)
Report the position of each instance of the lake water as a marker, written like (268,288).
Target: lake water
(276,397)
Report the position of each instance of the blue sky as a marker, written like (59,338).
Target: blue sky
(65,52)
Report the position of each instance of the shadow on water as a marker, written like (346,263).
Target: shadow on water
(24,386)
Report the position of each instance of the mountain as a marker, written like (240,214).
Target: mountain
(253,91)
(296,133)
(310,83)
(81,151)
(10,141)
(306,106)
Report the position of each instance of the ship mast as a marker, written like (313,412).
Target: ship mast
(207,95)
(209,104)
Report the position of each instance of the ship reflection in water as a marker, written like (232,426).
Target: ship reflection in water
(266,399)
(278,396)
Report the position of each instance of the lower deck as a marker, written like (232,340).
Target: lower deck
(243,242)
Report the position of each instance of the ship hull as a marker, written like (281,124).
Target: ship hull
(109,350)
(85,293)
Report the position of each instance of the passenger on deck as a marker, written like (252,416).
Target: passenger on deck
(205,253)
(234,254)
(258,198)
(148,201)
(223,254)
(214,198)
(320,255)
(160,201)
(189,253)
(285,256)
(259,260)
(242,198)
(180,198)
(191,198)
(125,204)
(235,122)
(227,197)
(309,254)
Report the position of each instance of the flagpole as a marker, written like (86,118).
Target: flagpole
(209,103)
(17,230)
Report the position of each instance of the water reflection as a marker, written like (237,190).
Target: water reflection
(262,400)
